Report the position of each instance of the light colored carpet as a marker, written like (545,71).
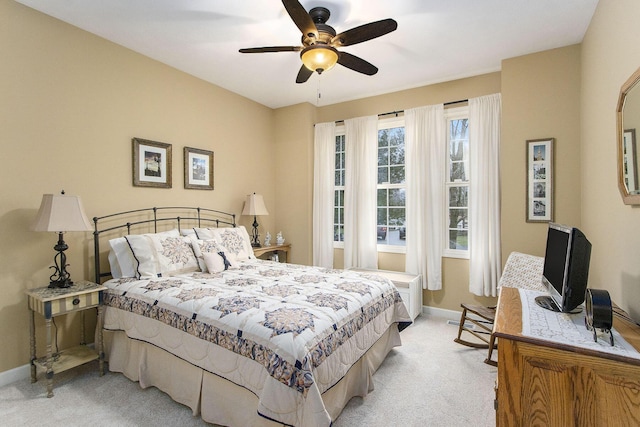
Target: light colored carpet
(429,381)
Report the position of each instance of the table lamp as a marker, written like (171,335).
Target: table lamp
(254,205)
(61,213)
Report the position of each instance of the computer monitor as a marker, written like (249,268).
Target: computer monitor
(566,268)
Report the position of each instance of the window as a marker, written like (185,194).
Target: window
(457,184)
(338,201)
(391,196)
(391,215)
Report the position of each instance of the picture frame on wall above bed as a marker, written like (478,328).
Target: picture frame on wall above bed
(198,169)
(151,163)
(540,180)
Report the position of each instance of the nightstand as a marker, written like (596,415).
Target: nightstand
(52,302)
(258,252)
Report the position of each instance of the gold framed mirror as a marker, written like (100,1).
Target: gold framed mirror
(628,119)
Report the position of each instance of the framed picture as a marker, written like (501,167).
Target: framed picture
(151,163)
(198,169)
(540,180)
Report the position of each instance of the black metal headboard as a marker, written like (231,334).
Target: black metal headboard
(148,220)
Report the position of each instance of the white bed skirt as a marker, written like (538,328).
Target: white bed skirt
(218,400)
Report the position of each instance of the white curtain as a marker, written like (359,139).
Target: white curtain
(425,172)
(324,154)
(360,192)
(485,259)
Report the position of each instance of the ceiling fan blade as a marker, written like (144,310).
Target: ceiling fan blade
(301,18)
(356,64)
(364,32)
(271,49)
(303,74)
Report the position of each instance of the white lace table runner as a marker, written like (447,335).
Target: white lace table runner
(565,328)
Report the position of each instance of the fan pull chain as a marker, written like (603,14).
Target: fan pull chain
(318,93)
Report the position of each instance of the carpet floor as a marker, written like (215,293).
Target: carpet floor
(428,381)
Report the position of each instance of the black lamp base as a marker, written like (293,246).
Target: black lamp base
(61,277)
(255,237)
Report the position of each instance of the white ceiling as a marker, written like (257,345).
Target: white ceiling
(436,40)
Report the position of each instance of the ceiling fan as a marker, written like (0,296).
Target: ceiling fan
(319,41)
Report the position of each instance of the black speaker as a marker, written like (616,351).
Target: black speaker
(599,313)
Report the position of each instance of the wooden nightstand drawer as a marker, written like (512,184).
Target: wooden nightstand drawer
(51,302)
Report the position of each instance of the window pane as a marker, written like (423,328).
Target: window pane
(397,155)
(459,129)
(341,196)
(396,136)
(396,197)
(383,156)
(458,218)
(396,217)
(459,196)
(382,197)
(397,174)
(458,172)
(338,233)
(458,239)
(383,175)
(382,216)
(383,138)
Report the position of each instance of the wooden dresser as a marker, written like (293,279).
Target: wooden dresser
(543,383)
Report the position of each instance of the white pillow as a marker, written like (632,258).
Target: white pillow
(114,266)
(126,263)
(188,232)
(162,254)
(235,240)
(215,262)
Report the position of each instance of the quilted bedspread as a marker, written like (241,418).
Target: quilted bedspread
(285,332)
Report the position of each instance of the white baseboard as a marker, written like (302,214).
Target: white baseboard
(441,312)
(16,374)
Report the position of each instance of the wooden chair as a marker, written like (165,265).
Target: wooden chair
(520,271)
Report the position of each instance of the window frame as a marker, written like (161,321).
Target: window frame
(388,123)
(455,113)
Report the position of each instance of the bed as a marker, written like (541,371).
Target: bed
(241,341)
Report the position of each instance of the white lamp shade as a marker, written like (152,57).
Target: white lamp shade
(59,212)
(254,205)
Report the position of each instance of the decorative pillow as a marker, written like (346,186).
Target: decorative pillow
(201,247)
(217,262)
(162,254)
(125,264)
(235,240)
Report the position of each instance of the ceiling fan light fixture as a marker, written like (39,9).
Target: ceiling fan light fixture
(319,58)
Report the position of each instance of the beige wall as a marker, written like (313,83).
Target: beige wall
(294,178)
(610,54)
(540,99)
(70,103)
